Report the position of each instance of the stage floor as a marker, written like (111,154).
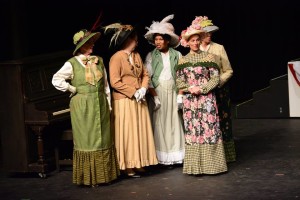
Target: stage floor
(267,167)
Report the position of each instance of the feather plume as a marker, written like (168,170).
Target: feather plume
(97,23)
(117,28)
(155,24)
(112,26)
(167,18)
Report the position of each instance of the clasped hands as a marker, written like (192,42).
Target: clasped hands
(140,94)
(195,89)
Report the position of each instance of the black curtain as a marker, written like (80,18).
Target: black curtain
(260,37)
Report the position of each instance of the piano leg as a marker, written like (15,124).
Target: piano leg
(40,166)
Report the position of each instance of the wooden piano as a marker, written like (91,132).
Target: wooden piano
(32,113)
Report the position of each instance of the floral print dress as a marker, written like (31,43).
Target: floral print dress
(203,137)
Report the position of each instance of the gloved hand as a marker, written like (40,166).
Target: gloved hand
(143,91)
(72,89)
(140,94)
(137,96)
(157,103)
(179,101)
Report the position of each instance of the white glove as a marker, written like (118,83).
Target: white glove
(143,91)
(179,101)
(140,94)
(72,89)
(137,96)
(157,103)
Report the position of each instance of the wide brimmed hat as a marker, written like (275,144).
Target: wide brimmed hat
(186,34)
(163,27)
(194,29)
(120,33)
(81,37)
(207,25)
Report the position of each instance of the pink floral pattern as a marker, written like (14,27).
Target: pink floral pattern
(200,113)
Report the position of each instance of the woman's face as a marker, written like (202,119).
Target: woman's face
(160,43)
(206,38)
(194,42)
(87,48)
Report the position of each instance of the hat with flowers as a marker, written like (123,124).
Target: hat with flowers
(207,25)
(194,29)
(163,27)
(82,36)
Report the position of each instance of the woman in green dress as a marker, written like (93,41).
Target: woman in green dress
(94,154)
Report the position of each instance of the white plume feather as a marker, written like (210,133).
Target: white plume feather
(167,18)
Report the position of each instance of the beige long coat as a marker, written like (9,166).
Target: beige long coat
(226,71)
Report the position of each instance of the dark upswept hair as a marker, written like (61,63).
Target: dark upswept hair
(164,36)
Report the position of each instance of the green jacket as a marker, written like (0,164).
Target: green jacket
(157,64)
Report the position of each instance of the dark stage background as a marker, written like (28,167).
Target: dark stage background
(259,37)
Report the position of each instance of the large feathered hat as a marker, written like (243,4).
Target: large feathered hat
(120,33)
(162,27)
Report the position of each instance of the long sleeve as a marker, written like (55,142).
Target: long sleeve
(145,74)
(226,69)
(213,81)
(60,77)
(145,78)
(181,83)
(107,88)
(148,65)
(116,79)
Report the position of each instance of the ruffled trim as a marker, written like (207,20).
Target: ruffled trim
(204,159)
(138,164)
(170,158)
(95,167)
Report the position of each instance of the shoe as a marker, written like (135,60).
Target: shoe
(134,175)
(130,173)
